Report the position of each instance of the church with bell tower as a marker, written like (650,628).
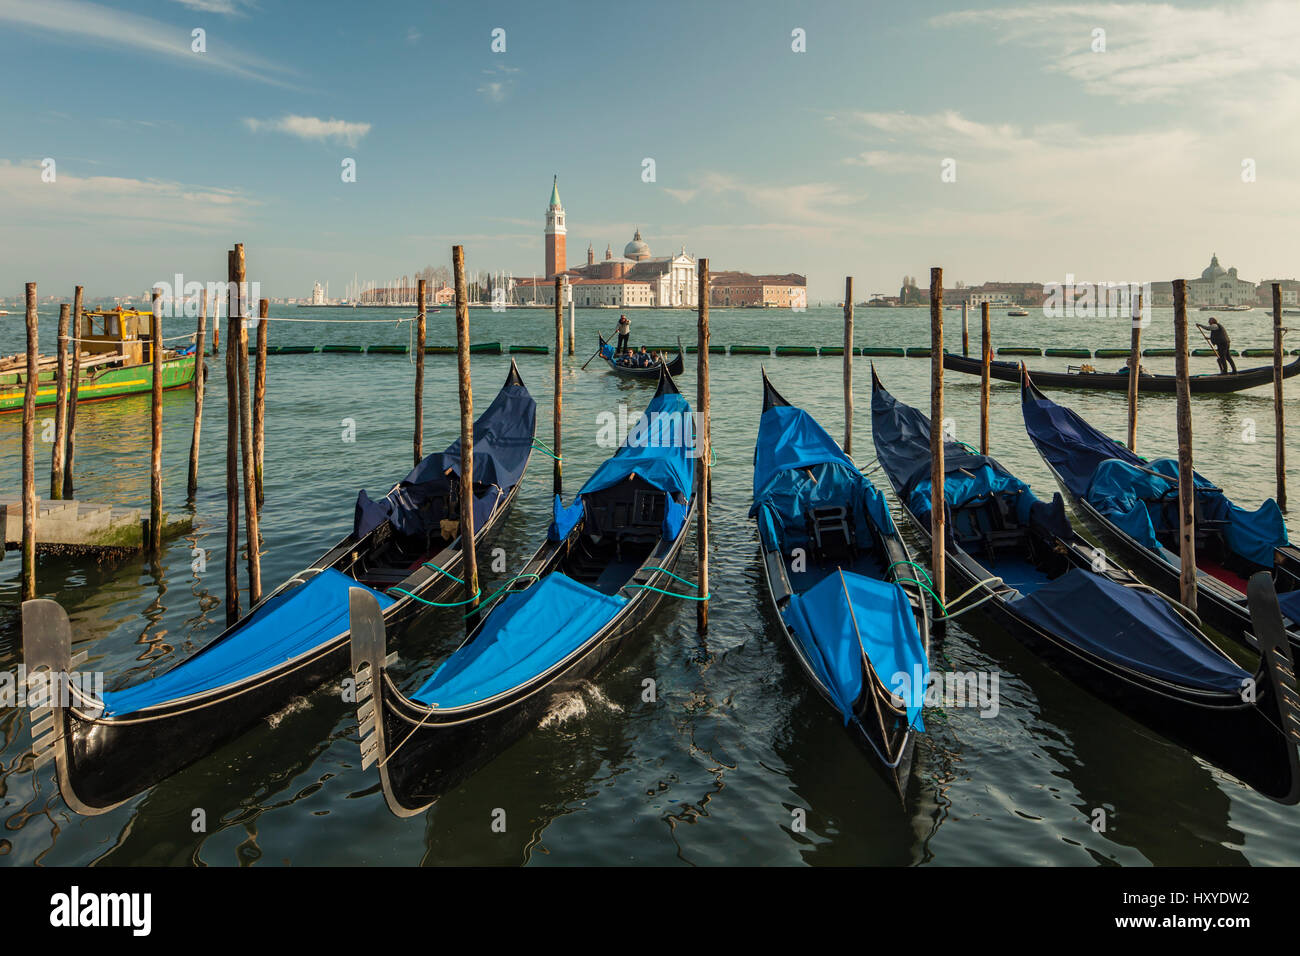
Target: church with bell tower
(555,232)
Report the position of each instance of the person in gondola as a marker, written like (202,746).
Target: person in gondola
(1219,339)
(624,331)
(643,358)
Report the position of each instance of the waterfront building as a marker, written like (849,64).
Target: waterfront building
(317,294)
(555,233)
(1219,286)
(731,289)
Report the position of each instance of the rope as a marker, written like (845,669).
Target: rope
(913,564)
(430,564)
(925,587)
(686,597)
(542,446)
(501,590)
(473,597)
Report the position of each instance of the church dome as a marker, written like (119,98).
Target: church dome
(636,249)
(1213,270)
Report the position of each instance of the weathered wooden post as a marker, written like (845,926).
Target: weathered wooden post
(155,425)
(569,293)
(937,490)
(232,450)
(466,438)
(986,360)
(420,333)
(1186,491)
(848,366)
(239,344)
(965,330)
(1134,371)
(703,447)
(558,482)
(200,382)
(60,407)
(259,400)
(1279,419)
(74,389)
(28,589)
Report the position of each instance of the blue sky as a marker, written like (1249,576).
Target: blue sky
(1115,165)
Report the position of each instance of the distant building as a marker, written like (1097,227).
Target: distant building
(555,233)
(1218,286)
(729,289)
(317,294)
(1290,292)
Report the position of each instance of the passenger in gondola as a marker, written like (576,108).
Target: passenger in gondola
(624,331)
(643,358)
(1219,339)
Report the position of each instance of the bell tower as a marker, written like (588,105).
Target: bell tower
(555,232)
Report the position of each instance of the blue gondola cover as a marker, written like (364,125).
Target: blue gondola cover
(563,520)
(1289,602)
(525,636)
(285,626)
(1134,629)
(846,615)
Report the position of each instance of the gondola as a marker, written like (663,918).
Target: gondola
(603,569)
(1020,560)
(675,365)
(402,552)
(1133,504)
(842,583)
(1118,381)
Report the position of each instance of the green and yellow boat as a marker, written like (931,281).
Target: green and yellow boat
(116,360)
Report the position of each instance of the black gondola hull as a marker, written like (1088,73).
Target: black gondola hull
(675,365)
(1118,382)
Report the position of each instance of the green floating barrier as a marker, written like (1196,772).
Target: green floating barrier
(1113,353)
(530,350)
(1019,350)
(833,350)
(1067,353)
(751,350)
(388,350)
(482,348)
(713,350)
(1257,353)
(349,349)
(293,349)
(1159,353)
(882,351)
(796,350)
(918,351)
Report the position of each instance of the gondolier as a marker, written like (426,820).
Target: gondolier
(1219,339)
(624,332)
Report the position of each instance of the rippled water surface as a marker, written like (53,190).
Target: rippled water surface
(714,771)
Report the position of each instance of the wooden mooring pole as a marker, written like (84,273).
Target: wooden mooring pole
(155,426)
(965,330)
(232,452)
(848,366)
(420,333)
(937,548)
(558,482)
(1279,418)
(259,400)
(1186,491)
(74,390)
(1134,371)
(466,439)
(986,360)
(200,382)
(239,345)
(60,407)
(703,444)
(571,319)
(28,572)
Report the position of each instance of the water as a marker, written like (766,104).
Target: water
(736,742)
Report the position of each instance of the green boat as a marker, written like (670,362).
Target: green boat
(116,360)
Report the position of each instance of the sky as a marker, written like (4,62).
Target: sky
(1130,154)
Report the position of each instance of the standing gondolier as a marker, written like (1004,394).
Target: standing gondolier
(1219,339)
(624,332)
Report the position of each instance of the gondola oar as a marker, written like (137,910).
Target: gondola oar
(593,355)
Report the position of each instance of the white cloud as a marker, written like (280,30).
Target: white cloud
(500,83)
(312,128)
(128,32)
(228,7)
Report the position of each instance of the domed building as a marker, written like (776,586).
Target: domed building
(1218,286)
(636,250)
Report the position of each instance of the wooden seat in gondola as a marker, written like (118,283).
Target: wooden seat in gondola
(830,529)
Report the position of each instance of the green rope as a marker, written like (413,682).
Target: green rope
(927,588)
(430,564)
(492,597)
(687,597)
(675,577)
(414,597)
(925,573)
(542,446)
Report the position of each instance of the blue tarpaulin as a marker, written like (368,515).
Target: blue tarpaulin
(1122,487)
(292,623)
(660,449)
(1290,604)
(526,635)
(845,615)
(1132,628)
(503,440)
(563,520)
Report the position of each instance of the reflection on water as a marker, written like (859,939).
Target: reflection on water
(714,769)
